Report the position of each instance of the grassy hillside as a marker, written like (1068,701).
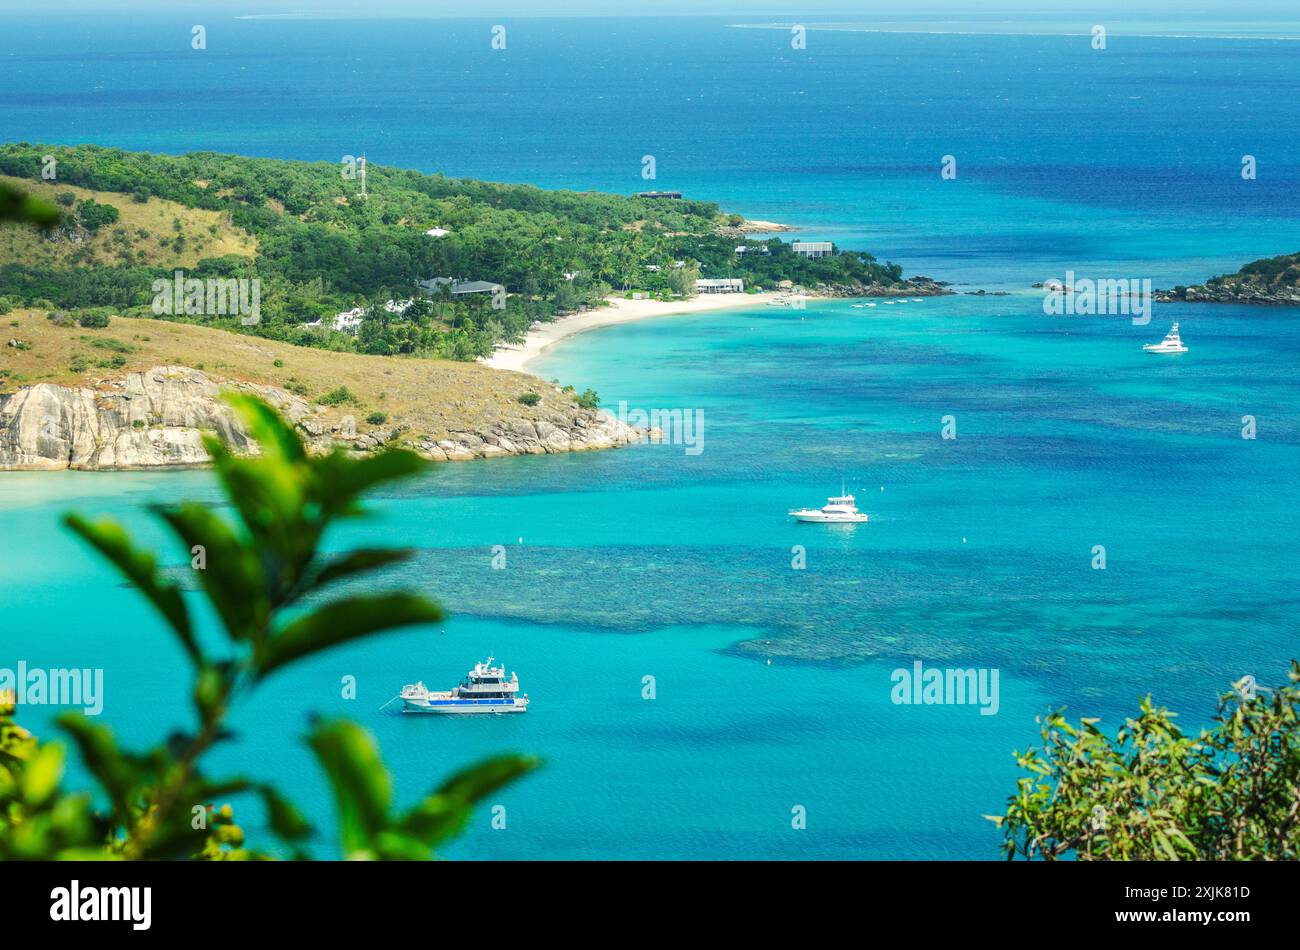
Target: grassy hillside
(433,397)
(145,233)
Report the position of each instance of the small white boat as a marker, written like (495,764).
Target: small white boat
(485,689)
(1172,343)
(837,510)
(916,300)
(871,305)
(858,306)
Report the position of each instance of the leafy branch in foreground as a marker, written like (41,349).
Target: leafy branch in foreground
(16,205)
(1232,792)
(262,574)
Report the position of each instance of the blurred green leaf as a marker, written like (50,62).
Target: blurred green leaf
(356,562)
(362,788)
(283,816)
(232,575)
(17,205)
(343,620)
(141,568)
(349,478)
(442,814)
(42,774)
(116,772)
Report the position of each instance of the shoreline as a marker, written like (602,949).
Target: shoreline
(621,310)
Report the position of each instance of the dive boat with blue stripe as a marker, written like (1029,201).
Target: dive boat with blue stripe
(484,689)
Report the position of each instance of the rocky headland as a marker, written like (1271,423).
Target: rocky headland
(155,418)
(1273,281)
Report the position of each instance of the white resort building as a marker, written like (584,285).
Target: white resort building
(350,320)
(346,322)
(813,248)
(459,287)
(721,285)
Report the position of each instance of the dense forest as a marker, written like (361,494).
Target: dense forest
(323,247)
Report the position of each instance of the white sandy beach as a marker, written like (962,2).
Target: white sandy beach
(620,310)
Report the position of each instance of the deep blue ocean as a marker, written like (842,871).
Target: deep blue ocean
(772,684)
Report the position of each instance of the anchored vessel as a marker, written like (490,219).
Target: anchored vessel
(837,510)
(1172,343)
(484,689)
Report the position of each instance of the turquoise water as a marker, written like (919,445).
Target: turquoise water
(651,562)
(772,684)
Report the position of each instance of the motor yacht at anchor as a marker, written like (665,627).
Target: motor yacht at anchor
(837,510)
(485,689)
(1172,343)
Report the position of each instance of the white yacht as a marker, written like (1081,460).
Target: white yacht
(837,510)
(484,689)
(1172,343)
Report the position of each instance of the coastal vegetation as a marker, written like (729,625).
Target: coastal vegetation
(1272,280)
(261,576)
(319,247)
(1229,792)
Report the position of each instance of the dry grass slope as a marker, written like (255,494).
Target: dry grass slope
(433,397)
(207,233)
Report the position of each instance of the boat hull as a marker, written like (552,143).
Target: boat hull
(817,517)
(463,707)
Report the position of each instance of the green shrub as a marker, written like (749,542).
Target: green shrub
(93,320)
(278,364)
(1153,792)
(5,305)
(94,215)
(589,399)
(338,397)
(79,363)
(377,418)
(61,318)
(530,399)
(107,343)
